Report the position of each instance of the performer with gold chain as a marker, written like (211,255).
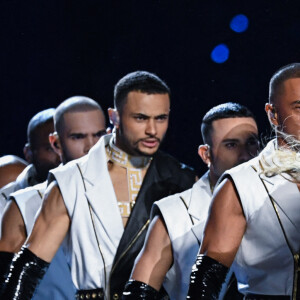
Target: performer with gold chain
(81,202)
(254,222)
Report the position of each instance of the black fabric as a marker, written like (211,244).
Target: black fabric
(5,261)
(97,294)
(24,275)
(206,279)
(139,290)
(165,176)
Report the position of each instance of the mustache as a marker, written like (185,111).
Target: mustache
(149,138)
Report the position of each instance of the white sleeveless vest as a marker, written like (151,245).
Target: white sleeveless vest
(264,263)
(96,224)
(185,215)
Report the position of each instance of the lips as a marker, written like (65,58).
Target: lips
(150,143)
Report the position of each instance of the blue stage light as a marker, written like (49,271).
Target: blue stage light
(220,53)
(239,23)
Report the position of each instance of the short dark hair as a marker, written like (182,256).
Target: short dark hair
(222,111)
(140,81)
(276,83)
(37,121)
(73,104)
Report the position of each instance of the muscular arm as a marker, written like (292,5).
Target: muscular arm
(156,257)
(225,226)
(13,231)
(51,225)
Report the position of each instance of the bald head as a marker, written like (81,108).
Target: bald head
(71,105)
(37,123)
(79,123)
(10,168)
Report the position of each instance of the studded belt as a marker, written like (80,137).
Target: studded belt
(265,297)
(96,294)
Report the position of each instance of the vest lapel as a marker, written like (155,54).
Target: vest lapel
(100,193)
(287,199)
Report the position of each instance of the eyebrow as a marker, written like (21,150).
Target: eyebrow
(146,116)
(77,133)
(230,140)
(237,140)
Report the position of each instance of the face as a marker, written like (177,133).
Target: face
(143,123)
(287,108)
(81,131)
(234,141)
(43,156)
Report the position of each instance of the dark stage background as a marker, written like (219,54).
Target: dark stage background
(54,49)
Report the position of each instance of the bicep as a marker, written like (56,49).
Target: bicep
(51,225)
(225,226)
(13,231)
(156,257)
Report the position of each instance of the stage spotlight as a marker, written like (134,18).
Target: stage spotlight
(220,53)
(239,23)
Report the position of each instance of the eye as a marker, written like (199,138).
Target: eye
(77,136)
(231,145)
(253,142)
(162,118)
(140,118)
(100,133)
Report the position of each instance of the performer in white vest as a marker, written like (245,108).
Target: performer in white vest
(100,204)
(79,123)
(38,154)
(254,220)
(230,134)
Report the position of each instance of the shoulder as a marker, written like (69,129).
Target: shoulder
(35,191)
(7,190)
(171,205)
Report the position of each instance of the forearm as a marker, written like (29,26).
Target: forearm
(206,278)
(25,272)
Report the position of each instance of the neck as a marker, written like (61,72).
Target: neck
(123,158)
(212,180)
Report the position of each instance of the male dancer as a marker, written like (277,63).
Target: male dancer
(254,220)
(102,202)
(79,123)
(230,134)
(10,168)
(37,152)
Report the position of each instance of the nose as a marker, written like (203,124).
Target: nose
(89,143)
(151,127)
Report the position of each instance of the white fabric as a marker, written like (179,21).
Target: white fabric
(185,237)
(4,195)
(56,283)
(29,201)
(264,263)
(87,266)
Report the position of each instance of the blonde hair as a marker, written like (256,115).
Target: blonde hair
(284,159)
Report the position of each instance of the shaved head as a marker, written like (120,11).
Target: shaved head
(73,104)
(10,167)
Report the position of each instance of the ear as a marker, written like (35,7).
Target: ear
(55,143)
(28,153)
(108,130)
(272,114)
(204,153)
(114,117)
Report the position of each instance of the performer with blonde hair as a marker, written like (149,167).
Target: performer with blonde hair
(254,220)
